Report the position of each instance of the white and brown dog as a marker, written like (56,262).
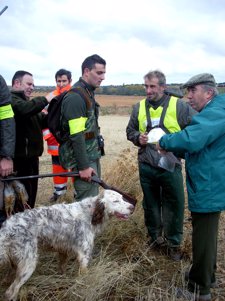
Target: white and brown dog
(69,229)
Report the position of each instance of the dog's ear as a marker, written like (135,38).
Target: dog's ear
(98,214)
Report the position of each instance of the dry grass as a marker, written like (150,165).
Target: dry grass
(107,100)
(125,269)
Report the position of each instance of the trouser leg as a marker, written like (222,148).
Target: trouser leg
(28,167)
(86,189)
(172,206)
(151,200)
(60,183)
(204,249)
(2,211)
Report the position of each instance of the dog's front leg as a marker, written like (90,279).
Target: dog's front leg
(83,260)
(63,260)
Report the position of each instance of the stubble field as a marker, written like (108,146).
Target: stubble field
(124,269)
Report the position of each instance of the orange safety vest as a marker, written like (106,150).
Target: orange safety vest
(52,144)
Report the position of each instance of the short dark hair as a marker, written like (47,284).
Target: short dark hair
(90,62)
(19,75)
(62,72)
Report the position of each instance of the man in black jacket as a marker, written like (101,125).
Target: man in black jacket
(29,124)
(7,138)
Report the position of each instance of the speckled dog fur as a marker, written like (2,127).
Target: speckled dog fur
(69,229)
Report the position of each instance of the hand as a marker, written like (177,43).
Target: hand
(86,174)
(49,96)
(6,167)
(159,149)
(143,139)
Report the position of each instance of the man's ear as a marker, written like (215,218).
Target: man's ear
(210,94)
(17,83)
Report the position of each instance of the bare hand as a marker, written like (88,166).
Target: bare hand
(86,174)
(6,167)
(159,149)
(143,139)
(49,96)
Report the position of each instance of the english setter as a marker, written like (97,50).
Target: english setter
(69,229)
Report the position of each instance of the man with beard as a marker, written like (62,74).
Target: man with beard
(163,191)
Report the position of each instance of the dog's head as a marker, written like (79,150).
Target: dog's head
(116,205)
(111,203)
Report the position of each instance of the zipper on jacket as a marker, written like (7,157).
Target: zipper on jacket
(26,147)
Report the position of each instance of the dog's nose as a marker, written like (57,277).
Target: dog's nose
(131,208)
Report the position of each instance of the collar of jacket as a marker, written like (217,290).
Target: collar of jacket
(19,94)
(156,104)
(59,90)
(85,85)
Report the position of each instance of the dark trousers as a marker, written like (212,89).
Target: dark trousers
(163,202)
(28,167)
(204,249)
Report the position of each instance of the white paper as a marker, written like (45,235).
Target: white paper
(155,134)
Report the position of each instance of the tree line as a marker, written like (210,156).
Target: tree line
(128,90)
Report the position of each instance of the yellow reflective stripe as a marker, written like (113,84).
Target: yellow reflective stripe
(6,112)
(77,125)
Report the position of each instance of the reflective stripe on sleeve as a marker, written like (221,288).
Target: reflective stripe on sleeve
(46,134)
(6,112)
(77,125)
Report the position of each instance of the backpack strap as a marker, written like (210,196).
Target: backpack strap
(84,93)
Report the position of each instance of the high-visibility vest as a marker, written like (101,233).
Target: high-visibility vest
(168,123)
(52,144)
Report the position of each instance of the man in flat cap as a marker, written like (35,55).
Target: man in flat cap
(203,145)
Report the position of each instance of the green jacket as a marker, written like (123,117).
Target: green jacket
(29,124)
(80,123)
(203,143)
(7,122)
(148,153)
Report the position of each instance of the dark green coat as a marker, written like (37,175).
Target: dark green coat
(7,125)
(78,150)
(29,124)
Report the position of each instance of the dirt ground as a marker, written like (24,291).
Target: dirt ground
(109,100)
(117,100)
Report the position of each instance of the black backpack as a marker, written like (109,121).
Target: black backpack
(54,113)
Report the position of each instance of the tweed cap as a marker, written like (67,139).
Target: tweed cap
(203,78)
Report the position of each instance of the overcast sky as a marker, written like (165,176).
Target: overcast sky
(180,37)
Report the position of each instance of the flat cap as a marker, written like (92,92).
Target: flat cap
(203,78)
